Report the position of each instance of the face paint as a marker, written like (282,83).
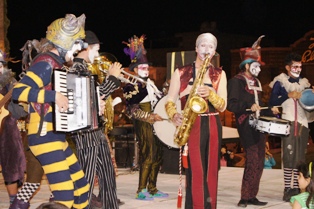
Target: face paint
(255,69)
(295,69)
(75,48)
(142,70)
(204,48)
(93,52)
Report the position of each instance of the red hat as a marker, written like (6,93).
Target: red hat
(253,54)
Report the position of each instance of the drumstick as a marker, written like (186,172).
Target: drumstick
(263,108)
(166,119)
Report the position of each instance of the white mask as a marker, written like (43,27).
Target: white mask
(93,52)
(296,70)
(142,70)
(69,56)
(255,68)
(204,48)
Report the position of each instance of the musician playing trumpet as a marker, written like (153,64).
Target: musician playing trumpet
(205,137)
(140,99)
(92,147)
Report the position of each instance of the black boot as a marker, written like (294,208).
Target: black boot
(255,201)
(286,195)
(294,191)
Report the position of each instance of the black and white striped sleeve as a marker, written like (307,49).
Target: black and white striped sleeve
(109,85)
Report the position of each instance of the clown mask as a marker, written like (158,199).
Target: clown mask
(142,70)
(295,69)
(255,68)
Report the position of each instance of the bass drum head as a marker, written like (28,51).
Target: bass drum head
(165,130)
(307,100)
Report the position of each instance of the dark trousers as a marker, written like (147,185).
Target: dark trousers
(253,169)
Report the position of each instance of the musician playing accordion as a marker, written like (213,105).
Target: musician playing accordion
(66,179)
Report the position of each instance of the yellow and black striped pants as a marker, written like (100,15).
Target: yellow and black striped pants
(65,176)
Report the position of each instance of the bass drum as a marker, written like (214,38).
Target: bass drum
(307,99)
(165,130)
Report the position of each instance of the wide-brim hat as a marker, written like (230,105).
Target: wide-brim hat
(253,54)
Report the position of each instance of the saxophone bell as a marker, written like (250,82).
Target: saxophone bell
(198,104)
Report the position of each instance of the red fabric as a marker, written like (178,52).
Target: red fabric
(212,179)
(196,166)
(197,169)
(55,65)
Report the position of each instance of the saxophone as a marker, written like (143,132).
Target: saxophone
(194,105)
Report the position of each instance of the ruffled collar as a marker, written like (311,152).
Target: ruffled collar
(296,86)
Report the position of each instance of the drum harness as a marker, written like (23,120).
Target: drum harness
(255,89)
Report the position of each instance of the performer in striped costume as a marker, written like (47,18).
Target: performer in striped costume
(66,178)
(91,145)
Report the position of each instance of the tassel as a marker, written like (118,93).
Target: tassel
(179,202)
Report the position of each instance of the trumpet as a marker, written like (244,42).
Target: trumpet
(102,64)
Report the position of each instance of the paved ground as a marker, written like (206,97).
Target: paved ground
(271,187)
(228,192)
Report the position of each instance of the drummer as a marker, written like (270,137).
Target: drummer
(244,91)
(286,90)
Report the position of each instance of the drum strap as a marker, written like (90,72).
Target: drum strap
(295,117)
(255,89)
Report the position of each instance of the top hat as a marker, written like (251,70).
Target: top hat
(136,51)
(253,54)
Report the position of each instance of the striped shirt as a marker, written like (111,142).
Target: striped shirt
(301,199)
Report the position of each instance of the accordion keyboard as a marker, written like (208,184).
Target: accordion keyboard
(77,89)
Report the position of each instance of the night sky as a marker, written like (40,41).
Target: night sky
(115,21)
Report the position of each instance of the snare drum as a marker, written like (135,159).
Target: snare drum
(165,130)
(307,99)
(273,126)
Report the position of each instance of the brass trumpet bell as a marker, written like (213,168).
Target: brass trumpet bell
(198,104)
(101,63)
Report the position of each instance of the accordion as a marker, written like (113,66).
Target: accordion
(83,96)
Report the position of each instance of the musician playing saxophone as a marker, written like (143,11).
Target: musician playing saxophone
(92,147)
(206,133)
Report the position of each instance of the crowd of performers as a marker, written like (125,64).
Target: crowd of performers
(71,176)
